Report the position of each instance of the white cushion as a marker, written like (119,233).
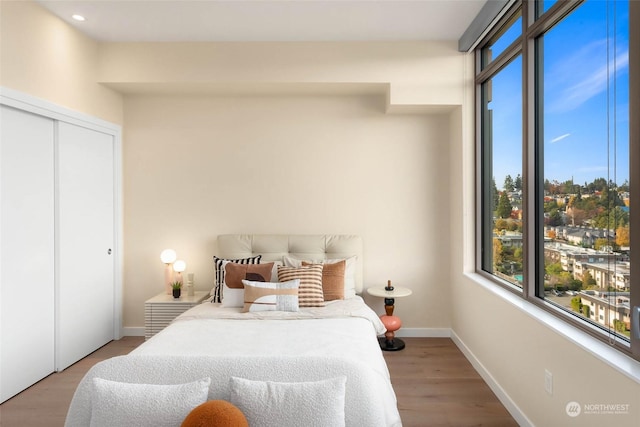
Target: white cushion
(270,296)
(275,404)
(232,297)
(128,404)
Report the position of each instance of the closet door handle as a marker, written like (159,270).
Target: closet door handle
(109,251)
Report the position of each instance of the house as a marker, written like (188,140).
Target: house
(370,138)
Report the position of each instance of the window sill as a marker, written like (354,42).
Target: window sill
(612,357)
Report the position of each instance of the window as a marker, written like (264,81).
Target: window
(554,161)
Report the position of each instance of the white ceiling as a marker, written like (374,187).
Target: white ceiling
(268,20)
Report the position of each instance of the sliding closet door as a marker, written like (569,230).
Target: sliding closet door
(26,251)
(85,238)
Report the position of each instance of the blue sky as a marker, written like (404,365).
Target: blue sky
(580,57)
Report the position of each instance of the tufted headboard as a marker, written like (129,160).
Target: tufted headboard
(272,247)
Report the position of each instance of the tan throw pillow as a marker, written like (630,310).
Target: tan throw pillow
(234,273)
(310,290)
(332,279)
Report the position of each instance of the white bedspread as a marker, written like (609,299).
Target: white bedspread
(309,345)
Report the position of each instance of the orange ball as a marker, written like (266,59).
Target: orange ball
(215,413)
(392,323)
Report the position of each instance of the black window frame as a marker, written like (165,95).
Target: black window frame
(535,22)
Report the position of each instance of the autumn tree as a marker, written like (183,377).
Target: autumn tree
(497,252)
(622,236)
(501,224)
(602,243)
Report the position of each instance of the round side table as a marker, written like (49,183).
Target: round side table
(389,342)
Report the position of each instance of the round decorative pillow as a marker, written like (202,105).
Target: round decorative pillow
(215,413)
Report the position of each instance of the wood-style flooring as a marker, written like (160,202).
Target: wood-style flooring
(434,383)
(436,386)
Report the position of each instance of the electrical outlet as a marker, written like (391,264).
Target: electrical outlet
(548,381)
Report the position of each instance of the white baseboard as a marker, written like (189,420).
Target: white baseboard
(133,331)
(138,331)
(423,333)
(502,395)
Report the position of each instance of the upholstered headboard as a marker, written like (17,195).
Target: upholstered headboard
(273,247)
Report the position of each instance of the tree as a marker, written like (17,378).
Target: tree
(602,243)
(624,186)
(553,269)
(555,218)
(508,183)
(588,281)
(501,224)
(622,236)
(504,206)
(497,252)
(518,183)
(576,304)
(577,216)
(495,195)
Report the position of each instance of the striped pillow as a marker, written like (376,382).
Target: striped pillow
(310,290)
(332,279)
(217,287)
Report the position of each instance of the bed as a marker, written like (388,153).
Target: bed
(323,362)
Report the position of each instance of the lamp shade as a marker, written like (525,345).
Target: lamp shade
(168,256)
(179,266)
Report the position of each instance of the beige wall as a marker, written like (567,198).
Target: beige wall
(512,346)
(43,56)
(216,132)
(315,154)
(199,166)
(418,73)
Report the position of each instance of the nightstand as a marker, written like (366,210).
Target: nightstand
(160,310)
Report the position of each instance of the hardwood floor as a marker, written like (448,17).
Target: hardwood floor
(434,383)
(45,403)
(436,386)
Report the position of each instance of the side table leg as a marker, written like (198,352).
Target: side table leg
(392,323)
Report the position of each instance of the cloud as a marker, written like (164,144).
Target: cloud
(560,138)
(581,79)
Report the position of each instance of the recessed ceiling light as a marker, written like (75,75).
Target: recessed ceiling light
(78,17)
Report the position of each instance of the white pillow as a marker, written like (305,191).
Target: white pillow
(349,271)
(270,296)
(274,404)
(120,404)
(232,297)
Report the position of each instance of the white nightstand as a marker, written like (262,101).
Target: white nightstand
(160,310)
